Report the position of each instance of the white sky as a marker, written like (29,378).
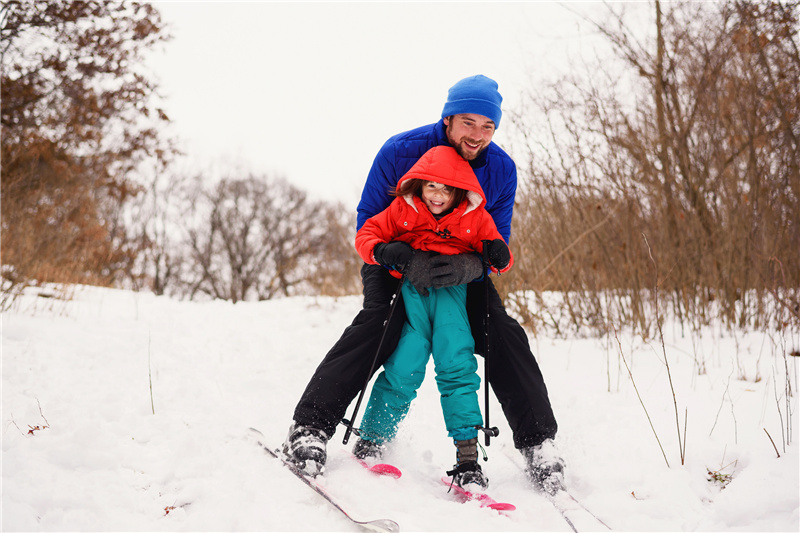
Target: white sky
(310,90)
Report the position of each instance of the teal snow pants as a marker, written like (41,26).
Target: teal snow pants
(436,324)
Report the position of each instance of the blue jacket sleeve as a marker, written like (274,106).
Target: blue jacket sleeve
(382,179)
(502,207)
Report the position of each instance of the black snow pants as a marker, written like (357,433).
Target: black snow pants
(514,377)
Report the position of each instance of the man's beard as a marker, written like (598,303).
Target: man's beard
(459,147)
(469,156)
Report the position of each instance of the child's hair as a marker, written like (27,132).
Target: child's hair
(414,187)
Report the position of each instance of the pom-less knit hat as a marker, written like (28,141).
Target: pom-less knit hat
(476,94)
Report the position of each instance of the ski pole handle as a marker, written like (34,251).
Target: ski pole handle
(489,432)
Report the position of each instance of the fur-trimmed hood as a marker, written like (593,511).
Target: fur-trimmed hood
(442,164)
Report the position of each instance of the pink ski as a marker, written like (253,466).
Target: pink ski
(484,499)
(381,469)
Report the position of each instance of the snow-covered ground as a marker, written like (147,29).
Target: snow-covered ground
(102,460)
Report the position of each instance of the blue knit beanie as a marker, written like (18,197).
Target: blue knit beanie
(476,94)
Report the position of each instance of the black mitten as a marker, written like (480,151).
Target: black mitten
(393,254)
(498,253)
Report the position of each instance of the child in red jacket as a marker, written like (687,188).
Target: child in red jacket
(439,207)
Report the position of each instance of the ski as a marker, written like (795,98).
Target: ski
(574,512)
(484,499)
(382,469)
(383,525)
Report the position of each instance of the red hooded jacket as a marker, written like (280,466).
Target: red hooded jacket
(408,219)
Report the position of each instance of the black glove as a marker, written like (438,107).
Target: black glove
(418,271)
(498,253)
(450,270)
(393,254)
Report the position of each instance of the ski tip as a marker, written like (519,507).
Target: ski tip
(498,506)
(382,469)
(383,525)
(386,470)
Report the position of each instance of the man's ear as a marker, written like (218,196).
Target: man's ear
(446,121)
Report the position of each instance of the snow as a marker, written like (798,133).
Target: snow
(113,453)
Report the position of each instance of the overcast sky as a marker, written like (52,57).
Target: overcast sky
(310,90)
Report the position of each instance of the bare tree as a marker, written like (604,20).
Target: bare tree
(257,238)
(336,265)
(78,118)
(690,141)
(156,226)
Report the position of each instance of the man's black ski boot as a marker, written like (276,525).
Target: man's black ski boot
(544,466)
(467,473)
(305,447)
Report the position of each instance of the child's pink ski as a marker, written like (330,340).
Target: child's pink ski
(483,498)
(381,469)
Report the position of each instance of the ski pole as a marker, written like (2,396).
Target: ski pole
(395,297)
(486,340)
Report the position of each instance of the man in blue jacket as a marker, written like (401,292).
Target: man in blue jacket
(469,119)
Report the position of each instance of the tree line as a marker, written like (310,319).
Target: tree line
(89,193)
(664,177)
(241,237)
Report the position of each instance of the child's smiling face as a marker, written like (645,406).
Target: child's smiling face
(438,197)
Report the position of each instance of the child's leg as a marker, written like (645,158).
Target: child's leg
(396,387)
(456,364)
